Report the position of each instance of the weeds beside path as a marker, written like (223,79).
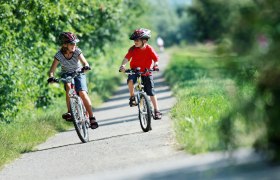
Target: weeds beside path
(206,92)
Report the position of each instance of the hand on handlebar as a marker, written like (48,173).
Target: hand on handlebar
(155,68)
(85,68)
(52,80)
(122,69)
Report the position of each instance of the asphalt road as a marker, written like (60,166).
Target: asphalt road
(119,149)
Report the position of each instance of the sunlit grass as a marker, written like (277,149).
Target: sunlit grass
(197,114)
(206,92)
(32,128)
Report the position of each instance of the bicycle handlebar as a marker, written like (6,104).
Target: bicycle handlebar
(137,71)
(71,76)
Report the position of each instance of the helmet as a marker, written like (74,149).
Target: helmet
(140,34)
(67,37)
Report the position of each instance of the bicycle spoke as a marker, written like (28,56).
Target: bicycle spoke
(79,120)
(144,113)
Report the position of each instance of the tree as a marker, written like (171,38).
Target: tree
(210,18)
(28,31)
(256,36)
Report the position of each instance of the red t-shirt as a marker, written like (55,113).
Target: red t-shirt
(142,58)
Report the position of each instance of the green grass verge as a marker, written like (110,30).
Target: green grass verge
(30,129)
(206,92)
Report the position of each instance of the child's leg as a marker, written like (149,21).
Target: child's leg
(149,89)
(87,102)
(154,102)
(132,101)
(67,88)
(81,88)
(158,114)
(130,87)
(67,116)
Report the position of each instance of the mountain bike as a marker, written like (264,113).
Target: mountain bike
(145,110)
(78,111)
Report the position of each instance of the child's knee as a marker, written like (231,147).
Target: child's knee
(130,82)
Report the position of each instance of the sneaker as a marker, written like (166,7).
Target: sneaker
(67,116)
(158,115)
(132,101)
(93,123)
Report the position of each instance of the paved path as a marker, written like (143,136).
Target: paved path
(119,149)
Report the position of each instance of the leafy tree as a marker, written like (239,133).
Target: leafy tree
(251,30)
(256,34)
(28,31)
(210,18)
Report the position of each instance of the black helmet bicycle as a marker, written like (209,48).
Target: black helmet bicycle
(67,37)
(141,33)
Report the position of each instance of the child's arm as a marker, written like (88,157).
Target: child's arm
(53,67)
(83,60)
(124,62)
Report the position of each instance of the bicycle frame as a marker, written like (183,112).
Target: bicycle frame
(78,110)
(139,88)
(143,102)
(73,94)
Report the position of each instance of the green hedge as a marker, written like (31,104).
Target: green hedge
(28,31)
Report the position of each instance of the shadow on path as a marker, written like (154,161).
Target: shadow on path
(219,170)
(80,143)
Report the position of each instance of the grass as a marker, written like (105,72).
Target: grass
(206,91)
(32,128)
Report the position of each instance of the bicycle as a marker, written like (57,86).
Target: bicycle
(78,111)
(145,110)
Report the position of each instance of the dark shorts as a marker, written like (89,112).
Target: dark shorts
(147,81)
(79,81)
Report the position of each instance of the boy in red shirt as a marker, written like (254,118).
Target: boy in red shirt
(142,55)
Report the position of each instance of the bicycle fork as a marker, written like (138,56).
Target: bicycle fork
(81,109)
(140,103)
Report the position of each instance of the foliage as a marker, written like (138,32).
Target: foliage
(170,21)
(206,93)
(211,18)
(28,31)
(257,33)
(30,110)
(250,30)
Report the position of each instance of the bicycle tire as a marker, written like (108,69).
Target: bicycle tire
(79,119)
(144,112)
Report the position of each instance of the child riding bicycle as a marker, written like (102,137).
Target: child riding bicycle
(70,57)
(142,55)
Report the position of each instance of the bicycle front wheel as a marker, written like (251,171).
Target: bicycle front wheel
(80,120)
(144,112)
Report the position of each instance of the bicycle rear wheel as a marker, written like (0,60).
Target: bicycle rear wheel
(80,121)
(144,112)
